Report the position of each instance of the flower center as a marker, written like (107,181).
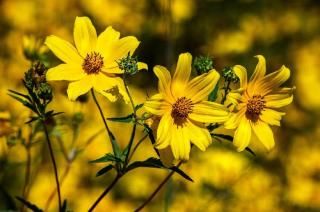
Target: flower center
(93,63)
(255,105)
(181,109)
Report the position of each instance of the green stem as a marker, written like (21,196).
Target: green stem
(134,125)
(157,190)
(226,91)
(53,163)
(105,192)
(111,137)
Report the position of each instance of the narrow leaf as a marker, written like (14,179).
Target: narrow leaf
(20,94)
(181,173)
(29,205)
(137,107)
(125,119)
(104,170)
(214,94)
(107,158)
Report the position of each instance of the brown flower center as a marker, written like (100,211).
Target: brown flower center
(181,109)
(255,106)
(93,63)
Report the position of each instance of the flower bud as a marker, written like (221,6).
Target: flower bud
(128,64)
(229,75)
(203,64)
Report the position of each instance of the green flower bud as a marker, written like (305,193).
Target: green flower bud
(45,91)
(128,64)
(35,75)
(229,75)
(203,64)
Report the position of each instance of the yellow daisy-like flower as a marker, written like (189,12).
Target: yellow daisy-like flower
(255,103)
(92,64)
(183,108)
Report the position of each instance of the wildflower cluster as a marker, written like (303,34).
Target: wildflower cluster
(183,114)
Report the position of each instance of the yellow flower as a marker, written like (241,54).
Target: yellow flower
(183,108)
(92,64)
(255,103)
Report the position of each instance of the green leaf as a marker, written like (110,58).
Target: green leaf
(29,205)
(230,138)
(150,163)
(64,206)
(181,173)
(156,163)
(32,119)
(214,94)
(23,101)
(107,158)
(137,107)
(125,119)
(104,170)
(115,145)
(151,137)
(20,94)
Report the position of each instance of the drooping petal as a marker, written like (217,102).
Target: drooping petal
(85,35)
(111,87)
(235,98)
(63,50)
(70,72)
(181,75)
(199,88)
(164,133)
(180,143)
(199,135)
(242,135)
(271,117)
(234,120)
(264,134)
(106,40)
(241,72)
(209,112)
(157,105)
(77,88)
(164,82)
(278,100)
(274,80)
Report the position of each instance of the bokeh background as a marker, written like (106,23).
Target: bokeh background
(232,32)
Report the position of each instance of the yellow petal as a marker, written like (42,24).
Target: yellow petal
(142,66)
(85,35)
(264,134)
(260,70)
(181,75)
(164,131)
(274,80)
(234,120)
(278,100)
(241,72)
(77,88)
(199,135)
(271,117)
(111,87)
(199,88)
(157,105)
(235,98)
(68,72)
(242,135)
(106,41)
(63,50)
(164,82)
(180,143)
(209,112)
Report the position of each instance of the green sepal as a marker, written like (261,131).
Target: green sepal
(125,119)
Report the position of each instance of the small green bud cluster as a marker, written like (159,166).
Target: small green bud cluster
(35,80)
(229,75)
(203,64)
(129,64)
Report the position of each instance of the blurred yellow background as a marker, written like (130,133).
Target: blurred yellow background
(232,32)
